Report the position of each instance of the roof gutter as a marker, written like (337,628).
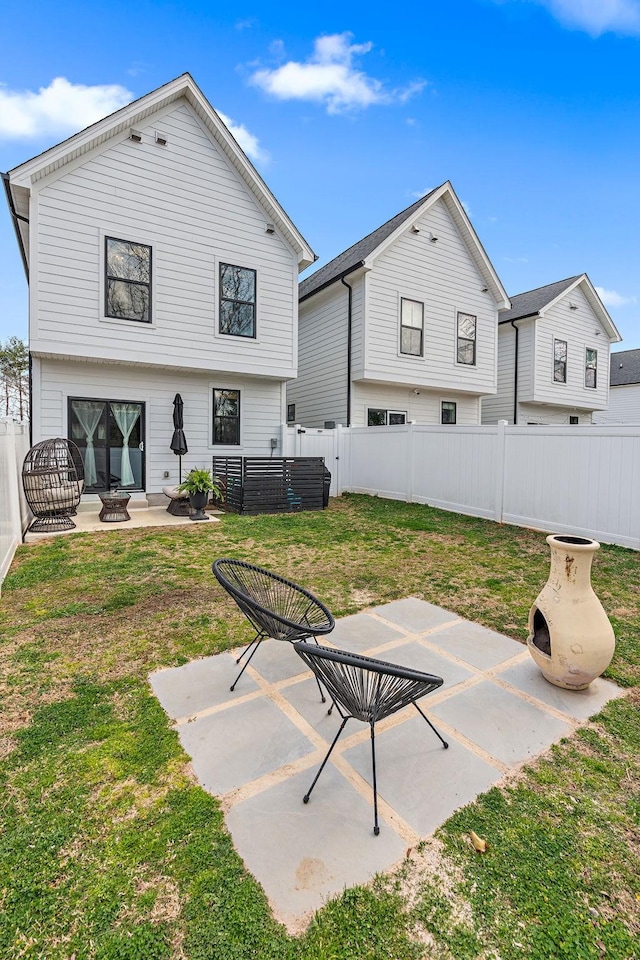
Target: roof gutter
(339,276)
(15,216)
(349,330)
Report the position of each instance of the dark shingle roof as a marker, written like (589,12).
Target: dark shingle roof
(531,302)
(625,367)
(351,258)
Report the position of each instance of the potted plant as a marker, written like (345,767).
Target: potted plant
(199,484)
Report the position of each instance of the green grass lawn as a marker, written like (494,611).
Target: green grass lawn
(108,848)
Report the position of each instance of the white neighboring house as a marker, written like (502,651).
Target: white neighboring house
(624,389)
(159,262)
(553,356)
(402,326)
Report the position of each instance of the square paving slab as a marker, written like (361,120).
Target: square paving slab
(259,747)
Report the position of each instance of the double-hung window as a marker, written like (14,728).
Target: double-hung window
(237,301)
(448,411)
(411,327)
(226,416)
(560,361)
(127,280)
(466,351)
(291,412)
(591,369)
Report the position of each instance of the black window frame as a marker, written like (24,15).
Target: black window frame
(574,420)
(225,443)
(137,283)
(594,367)
(563,362)
(403,326)
(387,412)
(291,413)
(449,403)
(143,434)
(464,340)
(253,303)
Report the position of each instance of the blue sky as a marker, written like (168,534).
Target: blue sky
(530,107)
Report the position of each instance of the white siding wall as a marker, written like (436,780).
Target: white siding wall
(260,409)
(526,365)
(187,202)
(445,278)
(624,405)
(500,406)
(578,328)
(546,413)
(424,408)
(320,392)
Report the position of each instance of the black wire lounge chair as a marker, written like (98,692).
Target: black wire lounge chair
(366,689)
(275,607)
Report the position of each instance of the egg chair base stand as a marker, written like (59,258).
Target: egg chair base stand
(367,689)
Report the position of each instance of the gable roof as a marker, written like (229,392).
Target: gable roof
(133,115)
(533,301)
(536,302)
(362,253)
(625,367)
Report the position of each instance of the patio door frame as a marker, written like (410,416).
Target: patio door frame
(143,460)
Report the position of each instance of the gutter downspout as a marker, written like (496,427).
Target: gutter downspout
(515,378)
(349,329)
(15,216)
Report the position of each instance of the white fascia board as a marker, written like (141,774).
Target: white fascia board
(595,303)
(469,235)
(136,113)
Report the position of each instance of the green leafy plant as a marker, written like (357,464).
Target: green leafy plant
(199,480)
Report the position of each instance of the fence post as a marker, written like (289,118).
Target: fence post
(337,462)
(501,465)
(410,462)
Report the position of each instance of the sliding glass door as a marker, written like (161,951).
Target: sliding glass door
(110,435)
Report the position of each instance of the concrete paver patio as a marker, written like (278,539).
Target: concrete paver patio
(258,748)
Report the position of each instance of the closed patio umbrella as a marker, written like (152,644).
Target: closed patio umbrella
(178,440)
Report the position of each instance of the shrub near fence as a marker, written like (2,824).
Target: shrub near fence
(14,514)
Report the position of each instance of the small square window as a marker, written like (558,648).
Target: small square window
(574,420)
(411,327)
(226,416)
(383,418)
(237,301)
(448,411)
(560,361)
(127,280)
(291,413)
(466,350)
(591,369)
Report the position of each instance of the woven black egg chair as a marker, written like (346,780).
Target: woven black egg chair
(52,479)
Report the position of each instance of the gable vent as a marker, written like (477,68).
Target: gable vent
(161,138)
(136,136)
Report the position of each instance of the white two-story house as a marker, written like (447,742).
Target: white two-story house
(624,390)
(553,356)
(402,326)
(159,263)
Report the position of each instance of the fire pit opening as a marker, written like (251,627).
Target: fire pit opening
(580,541)
(541,637)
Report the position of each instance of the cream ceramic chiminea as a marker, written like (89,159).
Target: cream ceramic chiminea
(570,637)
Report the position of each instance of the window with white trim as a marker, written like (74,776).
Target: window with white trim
(385,418)
(226,416)
(560,361)
(448,411)
(466,347)
(237,301)
(291,412)
(411,327)
(591,369)
(127,290)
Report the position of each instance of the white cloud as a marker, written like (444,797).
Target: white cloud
(62,107)
(330,77)
(611,298)
(466,208)
(247,140)
(420,193)
(596,16)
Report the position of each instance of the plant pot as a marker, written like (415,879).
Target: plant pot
(198,502)
(570,637)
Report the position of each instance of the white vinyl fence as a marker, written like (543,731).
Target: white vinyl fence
(567,479)
(14,514)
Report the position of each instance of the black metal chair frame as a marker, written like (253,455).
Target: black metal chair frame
(367,689)
(275,607)
(53,480)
